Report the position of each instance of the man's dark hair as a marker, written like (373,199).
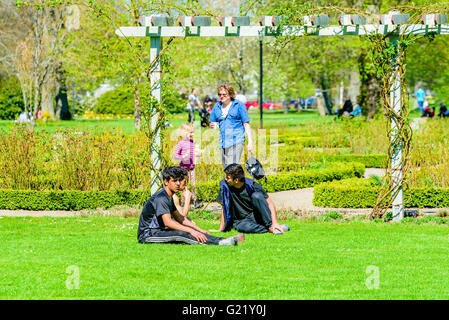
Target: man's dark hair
(174,172)
(235,171)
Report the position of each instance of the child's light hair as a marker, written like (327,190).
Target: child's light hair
(184,130)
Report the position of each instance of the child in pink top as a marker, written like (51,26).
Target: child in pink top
(185,152)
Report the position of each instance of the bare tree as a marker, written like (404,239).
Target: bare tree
(36,54)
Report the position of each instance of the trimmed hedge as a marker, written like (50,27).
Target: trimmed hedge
(362,193)
(304,141)
(314,141)
(349,193)
(69,199)
(369,160)
(290,181)
(78,200)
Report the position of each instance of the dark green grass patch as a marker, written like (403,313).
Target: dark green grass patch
(315,260)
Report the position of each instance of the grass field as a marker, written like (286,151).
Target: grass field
(40,258)
(270,119)
(276,119)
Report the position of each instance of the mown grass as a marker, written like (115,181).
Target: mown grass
(315,260)
(270,120)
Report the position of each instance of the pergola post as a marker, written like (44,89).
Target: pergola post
(155,82)
(261,78)
(396,159)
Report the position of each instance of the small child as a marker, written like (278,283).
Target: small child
(185,152)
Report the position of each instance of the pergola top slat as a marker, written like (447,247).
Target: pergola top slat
(254,31)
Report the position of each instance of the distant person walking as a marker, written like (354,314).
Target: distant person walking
(241,97)
(347,108)
(232,118)
(443,110)
(190,112)
(194,103)
(420,98)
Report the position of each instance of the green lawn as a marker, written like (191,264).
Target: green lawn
(270,120)
(315,260)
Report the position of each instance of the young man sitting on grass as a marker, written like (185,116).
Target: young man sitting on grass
(160,222)
(246,206)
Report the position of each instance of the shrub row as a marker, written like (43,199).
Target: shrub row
(368,160)
(314,141)
(69,199)
(78,200)
(362,193)
(293,180)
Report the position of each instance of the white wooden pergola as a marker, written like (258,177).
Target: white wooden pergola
(392,25)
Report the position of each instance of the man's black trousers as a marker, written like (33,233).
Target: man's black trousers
(260,221)
(177,236)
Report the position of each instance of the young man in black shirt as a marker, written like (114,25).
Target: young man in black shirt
(246,206)
(160,222)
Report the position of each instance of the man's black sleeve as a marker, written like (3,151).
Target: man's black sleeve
(259,188)
(162,207)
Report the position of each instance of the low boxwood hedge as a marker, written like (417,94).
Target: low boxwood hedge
(362,193)
(292,180)
(68,199)
(368,160)
(78,200)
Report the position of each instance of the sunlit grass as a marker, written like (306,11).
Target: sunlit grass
(315,260)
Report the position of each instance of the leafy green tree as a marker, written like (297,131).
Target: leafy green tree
(11,100)
(117,101)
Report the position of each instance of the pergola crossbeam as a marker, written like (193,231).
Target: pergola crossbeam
(254,31)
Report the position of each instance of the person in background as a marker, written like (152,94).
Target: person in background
(443,110)
(357,112)
(23,117)
(420,98)
(347,108)
(190,112)
(241,97)
(194,102)
(185,153)
(232,118)
(426,108)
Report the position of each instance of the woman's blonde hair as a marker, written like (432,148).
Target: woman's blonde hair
(184,130)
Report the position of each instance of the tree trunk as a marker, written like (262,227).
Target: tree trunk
(137,113)
(62,103)
(298,99)
(321,105)
(47,98)
(324,97)
(369,88)
(286,103)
